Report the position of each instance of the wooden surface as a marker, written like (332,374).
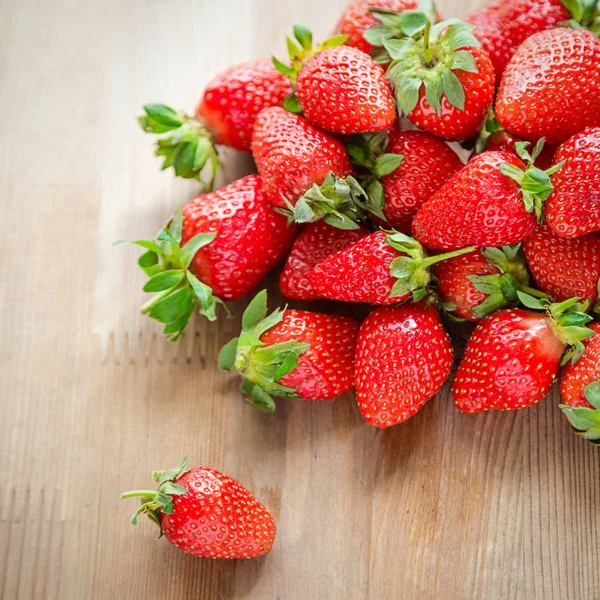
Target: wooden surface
(447,506)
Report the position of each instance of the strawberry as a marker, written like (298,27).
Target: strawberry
(402,172)
(513,356)
(564,268)
(403,357)
(218,248)
(316,242)
(477,284)
(381,268)
(339,88)
(292,155)
(503,25)
(493,201)
(443,80)
(357,18)
(291,354)
(586,419)
(573,209)
(551,86)
(206,513)
(226,114)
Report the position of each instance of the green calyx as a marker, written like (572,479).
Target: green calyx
(412,270)
(300,49)
(178,290)
(584,15)
(394,25)
(491,126)
(586,420)
(188,148)
(568,320)
(341,203)
(430,57)
(501,288)
(371,162)
(161,500)
(536,185)
(261,366)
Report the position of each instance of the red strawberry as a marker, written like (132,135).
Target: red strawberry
(292,155)
(380,268)
(444,83)
(503,25)
(564,268)
(476,284)
(291,354)
(219,248)
(410,169)
(206,513)
(513,356)
(403,357)
(316,242)
(551,86)
(226,114)
(586,370)
(357,18)
(573,209)
(339,88)
(493,201)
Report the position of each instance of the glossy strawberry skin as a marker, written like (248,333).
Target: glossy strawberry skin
(454,286)
(479,207)
(356,19)
(502,140)
(428,163)
(217,518)
(343,90)
(403,357)
(292,155)
(564,268)
(586,370)
(456,124)
(511,360)
(503,25)
(252,238)
(359,273)
(551,86)
(314,244)
(573,208)
(326,369)
(234,98)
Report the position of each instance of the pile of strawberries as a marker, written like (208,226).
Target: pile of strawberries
(364,208)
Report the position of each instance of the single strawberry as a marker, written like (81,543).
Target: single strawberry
(551,86)
(403,357)
(477,284)
(562,267)
(292,155)
(225,116)
(218,248)
(443,80)
(585,420)
(316,242)
(513,356)
(357,18)
(206,513)
(381,268)
(573,209)
(291,354)
(493,201)
(503,25)
(339,88)
(576,377)
(401,171)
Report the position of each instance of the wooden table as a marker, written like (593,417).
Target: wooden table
(447,506)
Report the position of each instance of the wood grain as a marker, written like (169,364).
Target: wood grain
(497,506)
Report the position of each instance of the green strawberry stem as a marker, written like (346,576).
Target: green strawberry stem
(533,292)
(432,260)
(189,147)
(140,493)
(178,291)
(585,420)
(426,50)
(261,366)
